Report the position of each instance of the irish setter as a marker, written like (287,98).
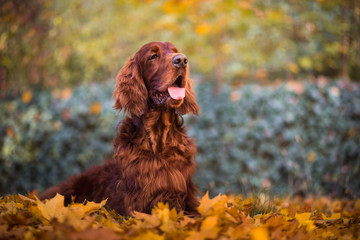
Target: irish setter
(153,157)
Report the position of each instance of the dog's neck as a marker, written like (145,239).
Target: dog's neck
(161,128)
(160,133)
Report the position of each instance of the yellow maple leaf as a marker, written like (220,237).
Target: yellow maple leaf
(209,223)
(81,210)
(302,217)
(185,221)
(53,208)
(259,233)
(108,221)
(166,216)
(332,217)
(207,204)
(304,220)
(79,224)
(208,229)
(146,221)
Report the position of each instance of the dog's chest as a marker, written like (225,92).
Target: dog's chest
(165,138)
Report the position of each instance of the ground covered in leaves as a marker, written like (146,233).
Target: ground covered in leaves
(223,217)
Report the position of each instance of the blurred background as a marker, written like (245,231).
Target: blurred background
(277,82)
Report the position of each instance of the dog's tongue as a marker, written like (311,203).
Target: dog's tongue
(176,93)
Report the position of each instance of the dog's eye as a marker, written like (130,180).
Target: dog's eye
(154,56)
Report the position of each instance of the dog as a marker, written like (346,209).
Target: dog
(153,159)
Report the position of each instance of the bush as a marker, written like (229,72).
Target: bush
(47,137)
(249,139)
(274,138)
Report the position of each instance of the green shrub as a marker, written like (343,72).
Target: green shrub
(274,138)
(46,140)
(249,139)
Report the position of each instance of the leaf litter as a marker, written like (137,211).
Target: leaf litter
(221,217)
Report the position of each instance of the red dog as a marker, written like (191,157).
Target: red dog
(153,157)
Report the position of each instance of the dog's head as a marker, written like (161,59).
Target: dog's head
(156,77)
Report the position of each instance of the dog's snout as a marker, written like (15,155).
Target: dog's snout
(179,61)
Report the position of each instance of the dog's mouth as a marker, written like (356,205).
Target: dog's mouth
(175,92)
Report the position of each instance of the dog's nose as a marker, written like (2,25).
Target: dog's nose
(179,61)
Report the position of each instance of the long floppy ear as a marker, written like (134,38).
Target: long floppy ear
(130,91)
(189,105)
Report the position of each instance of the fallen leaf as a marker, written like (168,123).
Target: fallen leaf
(259,233)
(207,204)
(53,208)
(148,236)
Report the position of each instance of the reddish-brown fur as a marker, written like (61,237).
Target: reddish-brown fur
(153,157)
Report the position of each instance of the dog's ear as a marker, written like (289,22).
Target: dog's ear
(130,91)
(189,105)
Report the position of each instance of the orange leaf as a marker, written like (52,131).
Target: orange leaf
(95,108)
(259,233)
(10,132)
(26,97)
(202,29)
(66,94)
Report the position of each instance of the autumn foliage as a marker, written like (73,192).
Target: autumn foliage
(51,43)
(222,217)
